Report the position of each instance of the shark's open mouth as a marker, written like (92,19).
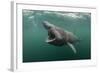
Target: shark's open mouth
(51,37)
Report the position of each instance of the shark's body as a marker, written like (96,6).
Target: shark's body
(59,37)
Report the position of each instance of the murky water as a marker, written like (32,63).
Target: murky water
(35,49)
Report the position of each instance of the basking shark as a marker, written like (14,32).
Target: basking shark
(59,37)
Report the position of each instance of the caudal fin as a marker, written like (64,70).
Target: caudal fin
(72,47)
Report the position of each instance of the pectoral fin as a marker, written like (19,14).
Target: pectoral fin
(72,47)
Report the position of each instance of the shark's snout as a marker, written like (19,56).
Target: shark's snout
(47,25)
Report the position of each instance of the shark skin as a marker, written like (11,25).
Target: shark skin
(59,37)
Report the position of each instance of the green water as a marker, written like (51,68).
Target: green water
(35,49)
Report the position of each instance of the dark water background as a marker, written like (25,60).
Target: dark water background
(35,49)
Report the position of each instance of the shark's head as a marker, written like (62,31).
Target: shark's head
(54,36)
(47,25)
